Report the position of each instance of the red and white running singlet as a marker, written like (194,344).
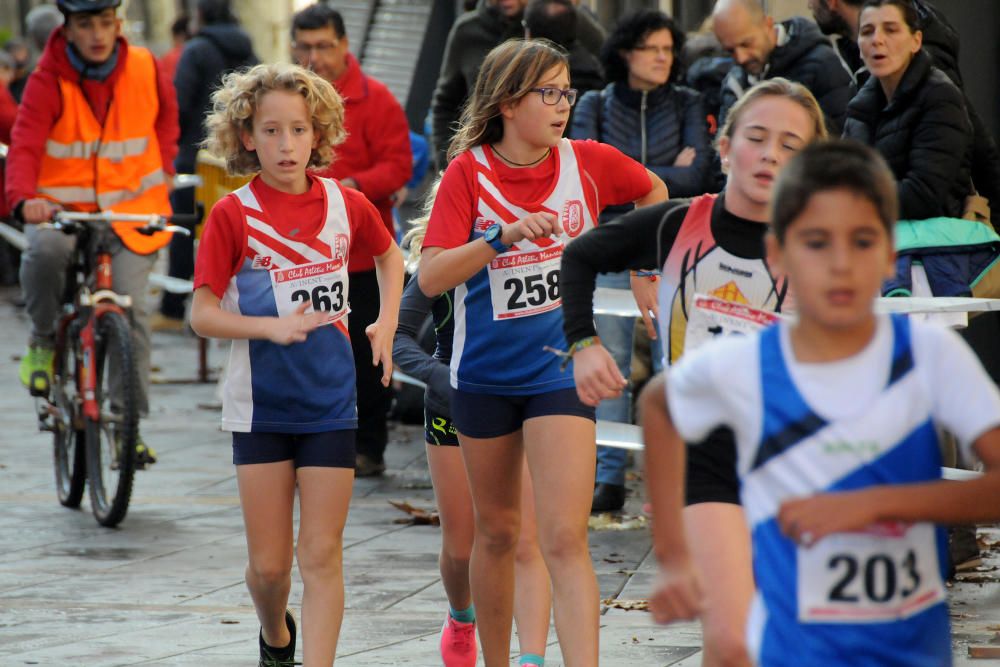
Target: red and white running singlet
(306,387)
(509,311)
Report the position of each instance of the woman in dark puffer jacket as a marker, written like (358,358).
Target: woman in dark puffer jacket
(662,125)
(912,113)
(642,112)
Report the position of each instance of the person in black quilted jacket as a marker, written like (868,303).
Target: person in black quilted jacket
(941,43)
(912,113)
(642,111)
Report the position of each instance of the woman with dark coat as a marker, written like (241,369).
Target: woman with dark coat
(644,114)
(912,113)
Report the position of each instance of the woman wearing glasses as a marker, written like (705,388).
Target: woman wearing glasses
(513,196)
(645,115)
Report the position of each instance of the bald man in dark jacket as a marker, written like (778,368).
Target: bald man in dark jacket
(794,49)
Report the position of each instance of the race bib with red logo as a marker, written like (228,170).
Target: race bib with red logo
(320,285)
(710,317)
(525,282)
(887,573)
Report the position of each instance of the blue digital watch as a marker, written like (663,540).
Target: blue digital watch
(493,237)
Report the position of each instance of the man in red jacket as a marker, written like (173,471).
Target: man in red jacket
(8,110)
(95,112)
(376,160)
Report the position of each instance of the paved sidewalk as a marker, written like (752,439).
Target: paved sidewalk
(166,587)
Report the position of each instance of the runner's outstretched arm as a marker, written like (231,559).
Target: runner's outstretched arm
(974,501)
(676,594)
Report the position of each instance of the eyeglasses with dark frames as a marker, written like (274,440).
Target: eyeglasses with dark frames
(551,96)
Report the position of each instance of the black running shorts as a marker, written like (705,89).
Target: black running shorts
(711,470)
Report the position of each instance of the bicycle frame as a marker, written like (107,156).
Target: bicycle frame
(86,305)
(94,438)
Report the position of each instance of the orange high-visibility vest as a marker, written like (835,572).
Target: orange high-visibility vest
(115,167)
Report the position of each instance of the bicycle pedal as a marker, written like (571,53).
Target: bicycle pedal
(43,409)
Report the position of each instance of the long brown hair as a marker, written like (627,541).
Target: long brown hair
(507,75)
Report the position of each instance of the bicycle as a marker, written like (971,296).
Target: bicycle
(94,441)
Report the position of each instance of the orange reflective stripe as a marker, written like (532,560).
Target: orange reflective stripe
(111,199)
(70,195)
(84,150)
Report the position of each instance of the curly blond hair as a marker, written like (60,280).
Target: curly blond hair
(236,102)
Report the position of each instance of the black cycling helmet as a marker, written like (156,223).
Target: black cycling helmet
(68,7)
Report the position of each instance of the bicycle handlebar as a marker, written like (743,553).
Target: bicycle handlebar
(68,221)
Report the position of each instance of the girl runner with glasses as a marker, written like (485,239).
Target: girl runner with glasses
(515,194)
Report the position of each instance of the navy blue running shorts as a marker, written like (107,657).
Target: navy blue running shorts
(492,415)
(711,470)
(439,430)
(329,449)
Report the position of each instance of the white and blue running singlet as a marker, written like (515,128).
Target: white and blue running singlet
(861,599)
(306,387)
(509,311)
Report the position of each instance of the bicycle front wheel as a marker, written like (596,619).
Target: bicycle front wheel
(111,439)
(69,436)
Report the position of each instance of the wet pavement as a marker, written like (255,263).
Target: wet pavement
(166,587)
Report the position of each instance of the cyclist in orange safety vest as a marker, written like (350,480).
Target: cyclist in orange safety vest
(97,130)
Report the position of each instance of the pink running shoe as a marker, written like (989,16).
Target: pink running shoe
(458,643)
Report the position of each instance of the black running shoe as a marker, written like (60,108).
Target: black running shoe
(279,657)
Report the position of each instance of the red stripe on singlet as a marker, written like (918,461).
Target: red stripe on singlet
(315,243)
(278,247)
(497,206)
(341,325)
(501,209)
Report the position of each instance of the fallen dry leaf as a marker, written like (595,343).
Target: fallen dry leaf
(627,605)
(608,521)
(418,517)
